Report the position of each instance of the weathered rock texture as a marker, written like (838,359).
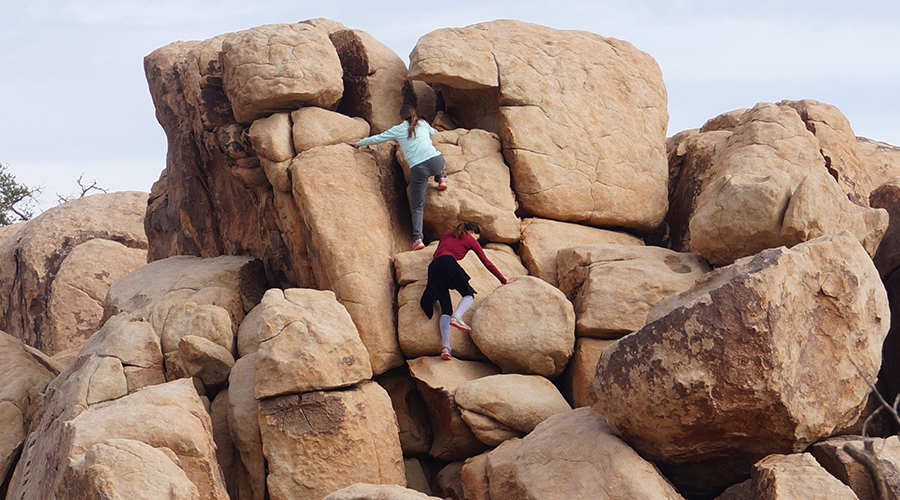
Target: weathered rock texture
(362,491)
(886,453)
(613,287)
(319,442)
(542,239)
(582,118)
(765,356)
(577,382)
(739,189)
(570,455)
(796,476)
(51,302)
(24,374)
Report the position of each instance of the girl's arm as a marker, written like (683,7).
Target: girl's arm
(394,133)
(476,247)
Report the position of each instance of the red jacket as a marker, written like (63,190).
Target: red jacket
(458,247)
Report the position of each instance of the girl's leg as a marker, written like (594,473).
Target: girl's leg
(445,330)
(418,181)
(463,306)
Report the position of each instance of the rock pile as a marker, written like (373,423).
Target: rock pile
(695,317)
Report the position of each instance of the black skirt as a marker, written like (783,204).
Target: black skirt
(444,274)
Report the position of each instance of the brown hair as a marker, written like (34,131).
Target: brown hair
(463,227)
(408,113)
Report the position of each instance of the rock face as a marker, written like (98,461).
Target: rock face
(746,188)
(796,476)
(574,444)
(613,287)
(24,375)
(678,389)
(577,152)
(526,327)
(56,268)
(319,442)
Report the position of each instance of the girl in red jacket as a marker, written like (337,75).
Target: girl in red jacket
(445,273)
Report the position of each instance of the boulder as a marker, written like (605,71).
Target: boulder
(278,67)
(438,381)
(527,327)
(243,423)
(831,455)
(572,455)
(202,358)
(449,480)
(131,349)
(500,407)
(613,287)
(755,175)
(126,468)
(314,127)
(207,321)
(785,477)
(420,336)
(412,415)
(415,476)
(374,79)
(52,303)
(577,382)
(542,239)
(23,377)
(363,491)
(355,222)
(479,188)
(271,137)
(319,442)
(751,361)
(582,121)
(305,341)
(887,197)
(880,160)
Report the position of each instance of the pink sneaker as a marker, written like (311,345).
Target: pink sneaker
(442,184)
(445,354)
(458,323)
(417,245)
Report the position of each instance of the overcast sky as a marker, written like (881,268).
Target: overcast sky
(74,98)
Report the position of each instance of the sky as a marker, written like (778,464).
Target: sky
(74,100)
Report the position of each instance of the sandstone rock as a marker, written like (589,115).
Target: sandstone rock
(573,455)
(306,342)
(363,491)
(233,472)
(887,197)
(542,239)
(750,361)
(420,336)
(169,417)
(745,192)
(578,379)
(499,407)
(831,455)
(438,381)
(130,349)
(726,121)
(526,327)
(202,358)
(125,468)
(23,377)
(315,127)
(412,415)
(318,442)
(577,147)
(374,79)
(415,476)
(796,476)
(271,137)
(613,287)
(208,321)
(449,480)
(480,188)
(243,423)
(276,67)
(356,223)
(34,255)
(880,160)
(473,476)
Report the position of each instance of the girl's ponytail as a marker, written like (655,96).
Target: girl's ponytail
(408,113)
(463,227)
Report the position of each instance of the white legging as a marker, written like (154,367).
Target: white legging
(461,308)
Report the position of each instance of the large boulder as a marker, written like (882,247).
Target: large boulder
(582,118)
(319,442)
(51,302)
(613,287)
(500,407)
(784,477)
(751,361)
(881,160)
(279,67)
(527,327)
(313,127)
(420,336)
(479,188)
(570,455)
(438,381)
(305,341)
(542,239)
(24,374)
(356,221)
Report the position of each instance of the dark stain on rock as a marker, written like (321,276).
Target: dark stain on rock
(308,413)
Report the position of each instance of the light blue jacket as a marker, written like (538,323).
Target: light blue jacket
(416,150)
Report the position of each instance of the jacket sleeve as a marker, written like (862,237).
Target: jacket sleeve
(392,133)
(476,247)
